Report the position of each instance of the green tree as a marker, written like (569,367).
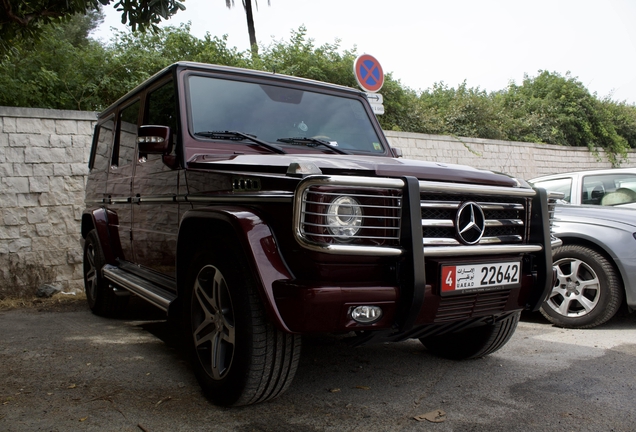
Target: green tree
(23,19)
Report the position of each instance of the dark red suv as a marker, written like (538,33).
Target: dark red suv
(255,207)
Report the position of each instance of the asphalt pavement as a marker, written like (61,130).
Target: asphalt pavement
(71,370)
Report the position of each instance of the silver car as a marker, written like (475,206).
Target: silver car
(607,187)
(596,265)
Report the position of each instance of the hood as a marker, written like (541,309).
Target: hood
(353,165)
(620,217)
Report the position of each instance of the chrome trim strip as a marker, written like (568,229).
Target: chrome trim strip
(453,205)
(447,241)
(112,273)
(461,188)
(449,251)
(448,223)
(556,242)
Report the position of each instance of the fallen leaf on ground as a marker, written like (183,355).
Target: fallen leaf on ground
(166,399)
(363,387)
(72,386)
(334,390)
(436,416)
(83,419)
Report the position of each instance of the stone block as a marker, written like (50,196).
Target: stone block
(28,200)
(13,155)
(83,141)
(48,127)
(13,216)
(66,127)
(85,127)
(15,184)
(43,170)
(8,125)
(75,256)
(29,125)
(75,155)
(4,247)
(6,170)
(74,184)
(9,199)
(20,245)
(22,170)
(62,169)
(9,232)
(37,215)
(44,155)
(38,184)
(44,229)
(4,140)
(79,169)
(51,257)
(61,141)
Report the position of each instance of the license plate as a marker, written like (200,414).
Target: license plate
(480,277)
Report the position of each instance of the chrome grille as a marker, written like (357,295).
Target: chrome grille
(506,218)
(471,305)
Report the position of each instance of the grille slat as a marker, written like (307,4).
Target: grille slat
(472,305)
(505,218)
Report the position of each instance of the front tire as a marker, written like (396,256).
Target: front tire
(238,356)
(588,290)
(473,342)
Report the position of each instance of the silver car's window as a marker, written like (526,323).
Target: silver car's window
(563,185)
(609,189)
(272,113)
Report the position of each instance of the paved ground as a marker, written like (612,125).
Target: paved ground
(71,370)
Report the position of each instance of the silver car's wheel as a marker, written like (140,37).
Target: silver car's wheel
(588,290)
(213,322)
(577,289)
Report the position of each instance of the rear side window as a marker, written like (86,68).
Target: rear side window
(105,133)
(127,135)
(609,189)
(161,107)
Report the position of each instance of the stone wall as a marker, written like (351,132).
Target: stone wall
(43,168)
(519,159)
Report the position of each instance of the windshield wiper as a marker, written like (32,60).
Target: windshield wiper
(235,135)
(315,141)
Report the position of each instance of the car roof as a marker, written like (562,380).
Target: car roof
(584,173)
(230,70)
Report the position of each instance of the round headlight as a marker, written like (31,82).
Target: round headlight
(344,217)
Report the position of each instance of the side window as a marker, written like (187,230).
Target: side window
(127,135)
(610,189)
(162,107)
(105,133)
(563,185)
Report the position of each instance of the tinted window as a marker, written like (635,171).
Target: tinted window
(272,112)
(161,107)
(105,133)
(127,134)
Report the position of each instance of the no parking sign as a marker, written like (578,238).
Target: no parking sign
(368,73)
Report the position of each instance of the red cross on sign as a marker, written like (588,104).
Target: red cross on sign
(368,73)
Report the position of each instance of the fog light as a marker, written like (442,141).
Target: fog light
(366,314)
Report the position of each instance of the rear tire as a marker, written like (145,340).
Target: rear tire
(238,356)
(473,342)
(101,298)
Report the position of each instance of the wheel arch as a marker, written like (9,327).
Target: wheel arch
(105,222)
(254,238)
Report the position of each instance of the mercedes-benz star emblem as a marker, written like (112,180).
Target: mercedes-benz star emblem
(470,223)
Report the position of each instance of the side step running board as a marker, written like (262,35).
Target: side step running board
(139,286)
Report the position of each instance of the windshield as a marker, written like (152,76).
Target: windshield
(272,113)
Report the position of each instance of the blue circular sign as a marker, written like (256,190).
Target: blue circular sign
(368,73)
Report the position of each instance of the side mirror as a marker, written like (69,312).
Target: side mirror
(154,140)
